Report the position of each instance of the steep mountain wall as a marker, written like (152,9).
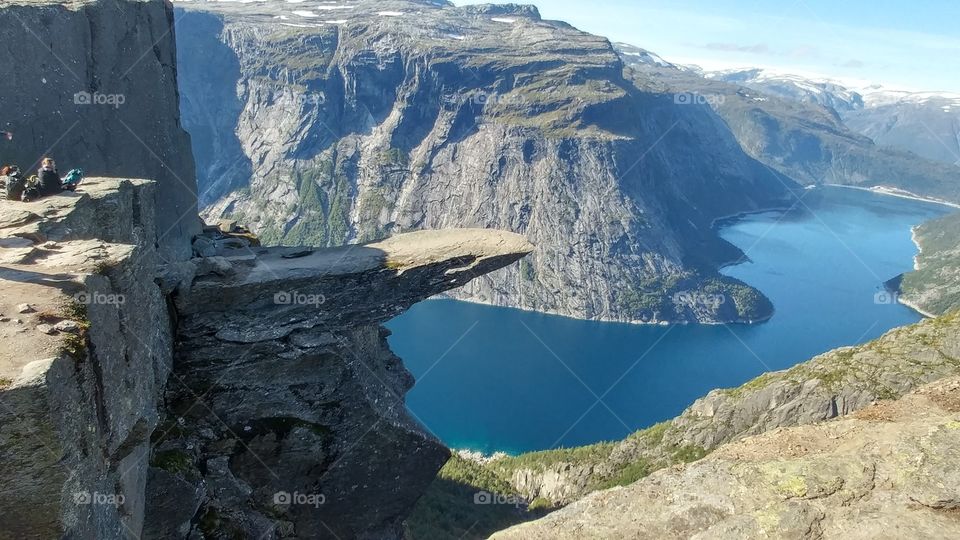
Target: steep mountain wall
(150,395)
(927,127)
(93,84)
(419,115)
(925,123)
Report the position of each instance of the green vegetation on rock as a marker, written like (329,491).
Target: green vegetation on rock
(468,500)
(173,461)
(935,286)
(319,216)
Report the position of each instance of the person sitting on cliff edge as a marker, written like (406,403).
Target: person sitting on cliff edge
(46,182)
(49,182)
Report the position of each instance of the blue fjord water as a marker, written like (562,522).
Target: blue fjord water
(498,379)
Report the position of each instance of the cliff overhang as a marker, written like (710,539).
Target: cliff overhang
(211,394)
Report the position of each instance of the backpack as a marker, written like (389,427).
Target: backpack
(30,191)
(72,179)
(15,184)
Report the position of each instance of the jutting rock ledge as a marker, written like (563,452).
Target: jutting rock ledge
(245,394)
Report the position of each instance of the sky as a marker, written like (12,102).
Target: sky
(899,44)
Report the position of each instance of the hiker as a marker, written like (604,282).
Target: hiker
(49,182)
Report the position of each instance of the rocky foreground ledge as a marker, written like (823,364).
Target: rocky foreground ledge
(251,394)
(886,471)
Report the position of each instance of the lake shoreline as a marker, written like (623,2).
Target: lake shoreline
(725,221)
(916,267)
(915,307)
(550,313)
(899,193)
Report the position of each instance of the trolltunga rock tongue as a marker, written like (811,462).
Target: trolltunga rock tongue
(286,389)
(267,293)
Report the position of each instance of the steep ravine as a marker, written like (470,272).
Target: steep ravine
(450,116)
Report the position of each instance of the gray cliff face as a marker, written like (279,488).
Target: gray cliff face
(928,127)
(433,116)
(151,395)
(83,369)
(121,54)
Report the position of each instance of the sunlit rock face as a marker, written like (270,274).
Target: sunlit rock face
(377,117)
(93,84)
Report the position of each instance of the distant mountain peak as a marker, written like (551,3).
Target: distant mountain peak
(520,10)
(632,54)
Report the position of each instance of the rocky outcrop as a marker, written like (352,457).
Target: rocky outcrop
(889,467)
(252,392)
(93,84)
(286,410)
(391,116)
